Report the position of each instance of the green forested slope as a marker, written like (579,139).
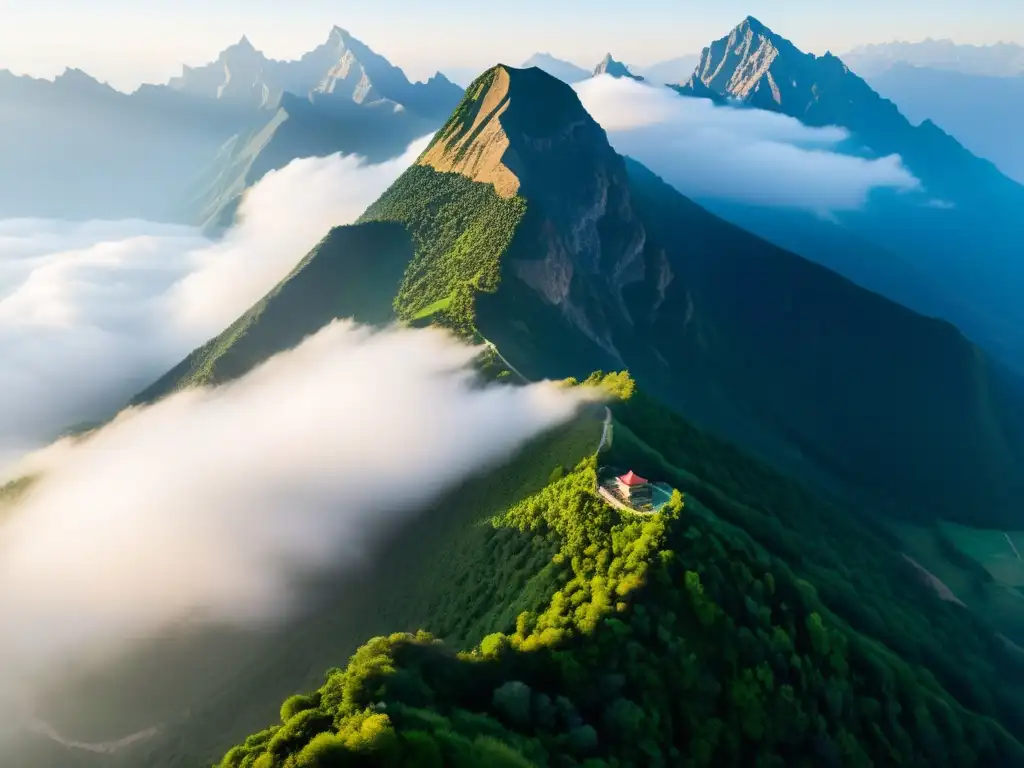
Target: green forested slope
(448,570)
(420,254)
(676,639)
(353,272)
(461,229)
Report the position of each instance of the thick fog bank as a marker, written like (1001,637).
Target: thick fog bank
(744,155)
(92,312)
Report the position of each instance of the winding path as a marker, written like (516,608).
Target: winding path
(502,358)
(606,431)
(42,728)
(26,720)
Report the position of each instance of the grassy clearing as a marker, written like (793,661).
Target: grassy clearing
(432,309)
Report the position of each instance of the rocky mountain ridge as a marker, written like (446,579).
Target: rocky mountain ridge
(609,66)
(341,67)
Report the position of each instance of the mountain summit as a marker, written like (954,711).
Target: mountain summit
(609,66)
(763,69)
(513,130)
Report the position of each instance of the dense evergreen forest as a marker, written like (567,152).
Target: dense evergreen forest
(746,623)
(459,243)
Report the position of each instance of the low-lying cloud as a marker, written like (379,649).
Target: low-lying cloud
(90,313)
(737,154)
(210,504)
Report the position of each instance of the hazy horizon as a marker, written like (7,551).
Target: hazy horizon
(121,44)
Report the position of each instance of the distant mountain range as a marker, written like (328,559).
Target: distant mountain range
(521,224)
(340,68)
(962,229)
(984,112)
(670,71)
(185,151)
(75,148)
(999,60)
(565,71)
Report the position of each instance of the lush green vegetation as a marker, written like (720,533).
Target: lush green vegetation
(673,639)
(448,571)
(854,566)
(461,229)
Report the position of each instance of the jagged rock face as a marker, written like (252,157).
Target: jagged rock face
(341,67)
(763,69)
(741,62)
(349,79)
(527,134)
(559,159)
(241,74)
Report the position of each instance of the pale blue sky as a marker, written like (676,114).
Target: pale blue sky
(128,41)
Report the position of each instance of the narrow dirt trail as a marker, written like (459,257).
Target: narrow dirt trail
(1012,545)
(43,728)
(606,430)
(22,718)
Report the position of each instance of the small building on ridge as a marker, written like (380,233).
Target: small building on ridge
(634,489)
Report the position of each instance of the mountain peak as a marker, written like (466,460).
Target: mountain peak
(339,34)
(754,24)
(757,66)
(609,66)
(506,116)
(243,50)
(752,32)
(79,80)
(439,78)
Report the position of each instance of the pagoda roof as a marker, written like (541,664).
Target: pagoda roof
(632,478)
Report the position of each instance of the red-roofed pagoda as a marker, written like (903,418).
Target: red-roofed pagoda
(634,489)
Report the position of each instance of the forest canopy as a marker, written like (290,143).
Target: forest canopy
(673,638)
